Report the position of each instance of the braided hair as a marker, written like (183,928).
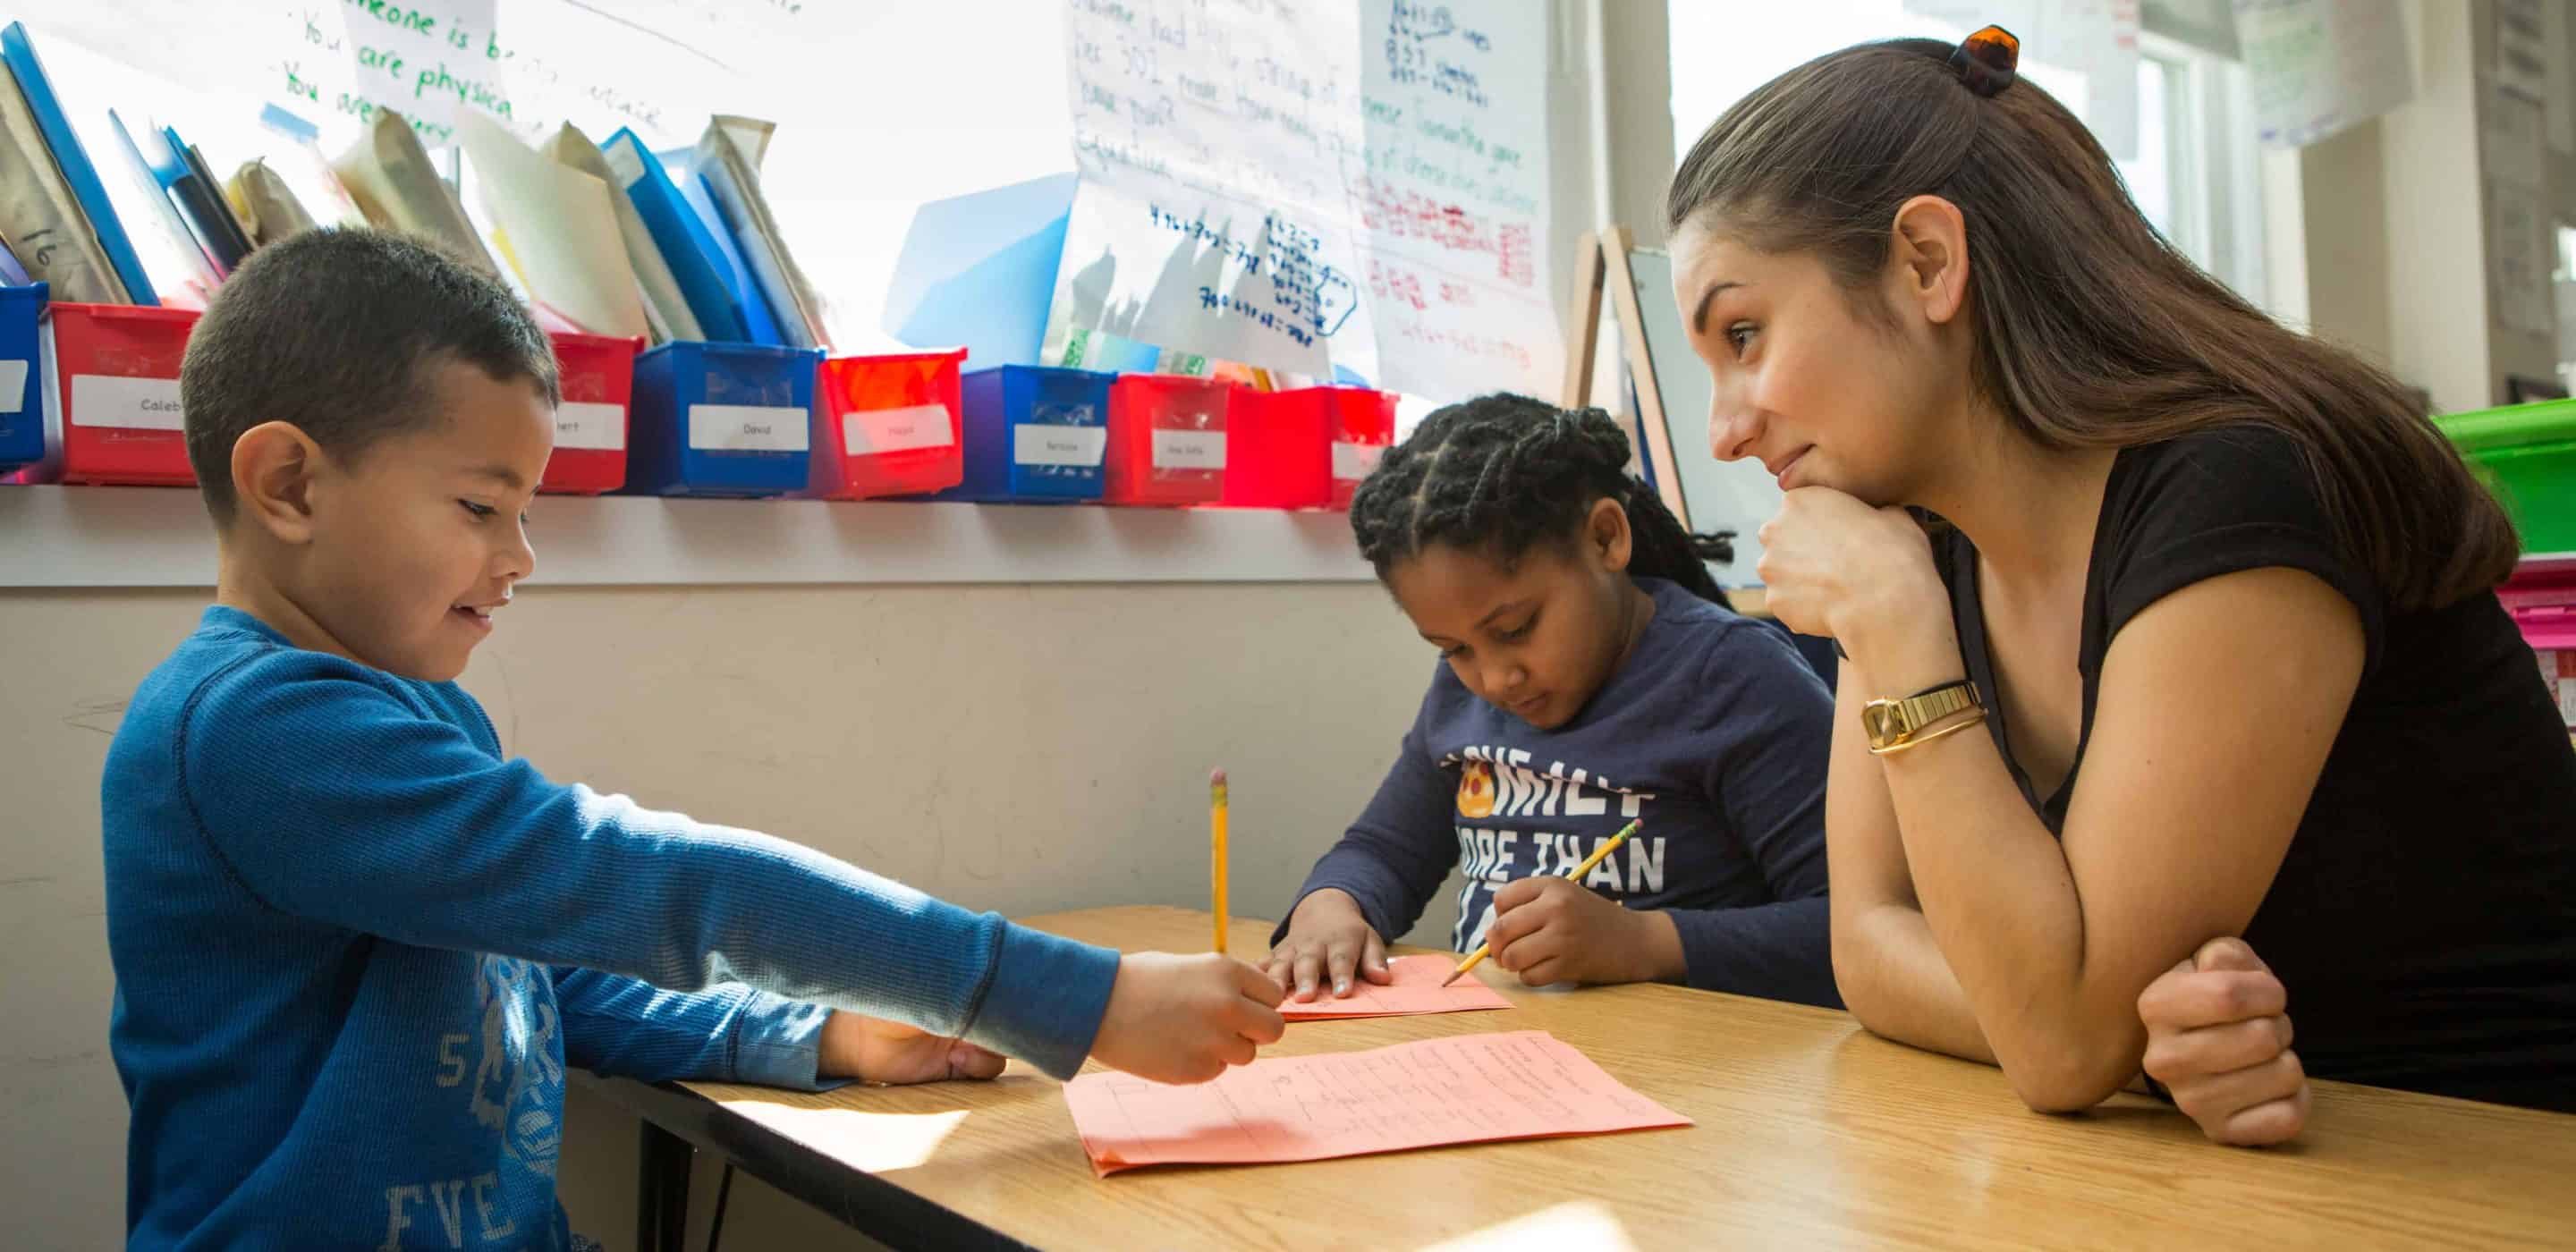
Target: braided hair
(1501,473)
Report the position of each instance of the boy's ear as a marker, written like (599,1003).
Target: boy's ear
(1607,534)
(273,468)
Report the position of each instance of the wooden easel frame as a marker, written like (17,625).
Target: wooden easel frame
(1602,259)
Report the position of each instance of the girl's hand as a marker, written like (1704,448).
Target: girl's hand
(1327,937)
(1551,930)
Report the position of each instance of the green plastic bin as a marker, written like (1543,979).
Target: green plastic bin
(2526,454)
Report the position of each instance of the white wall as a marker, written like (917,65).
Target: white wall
(1008,747)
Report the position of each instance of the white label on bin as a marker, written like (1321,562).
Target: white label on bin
(1033,444)
(130,403)
(1353,461)
(1189,449)
(896,430)
(746,428)
(591,426)
(13,386)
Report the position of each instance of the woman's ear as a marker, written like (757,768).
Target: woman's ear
(1928,258)
(1607,537)
(273,468)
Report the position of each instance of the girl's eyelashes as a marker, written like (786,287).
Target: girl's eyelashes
(478,510)
(1520,632)
(1738,335)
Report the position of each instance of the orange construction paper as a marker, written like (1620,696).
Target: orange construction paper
(1525,1084)
(1416,989)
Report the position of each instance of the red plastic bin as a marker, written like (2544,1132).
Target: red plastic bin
(1304,449)
(598,373)
(888,425)
(1362,428)
(1167,440)
(117,370)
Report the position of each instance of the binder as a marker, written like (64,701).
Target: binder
(682,239)
(19,52)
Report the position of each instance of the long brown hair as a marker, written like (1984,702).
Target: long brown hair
(2093,331)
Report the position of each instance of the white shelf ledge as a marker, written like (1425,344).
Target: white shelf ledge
(159,537)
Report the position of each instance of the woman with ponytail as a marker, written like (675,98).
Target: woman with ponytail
(2194,710)
(1591,674)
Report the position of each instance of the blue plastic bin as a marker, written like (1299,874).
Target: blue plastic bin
(1033,435)
(22,384)
(721,419)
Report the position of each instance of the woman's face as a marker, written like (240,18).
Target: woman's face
(1825,386)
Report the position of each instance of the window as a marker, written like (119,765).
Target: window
(2194,176)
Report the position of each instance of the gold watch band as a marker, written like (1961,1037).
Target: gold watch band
(1892,723)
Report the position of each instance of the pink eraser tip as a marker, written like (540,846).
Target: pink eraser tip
(1216,778)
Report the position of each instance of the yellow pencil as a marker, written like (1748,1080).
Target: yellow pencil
(1216,852)
(1484,950)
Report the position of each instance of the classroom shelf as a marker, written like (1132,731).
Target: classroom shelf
(159,537)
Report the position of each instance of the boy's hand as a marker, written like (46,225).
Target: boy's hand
(1552,930)
(875,1050)
(2218,1038)
(1327,936)
(1181,1019)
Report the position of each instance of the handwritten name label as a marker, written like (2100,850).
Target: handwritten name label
(13,386)
(1353,461)
(896,430)
(1189,449)
(746,428)
(125,403)
(590,426)
(1077,446)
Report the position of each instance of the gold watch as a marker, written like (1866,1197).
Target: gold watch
(1893,724)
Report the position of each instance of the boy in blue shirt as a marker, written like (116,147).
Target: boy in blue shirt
(355,945)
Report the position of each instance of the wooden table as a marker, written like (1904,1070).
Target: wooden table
(1810,1133)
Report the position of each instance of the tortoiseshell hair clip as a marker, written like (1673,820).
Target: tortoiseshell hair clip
(1986,61)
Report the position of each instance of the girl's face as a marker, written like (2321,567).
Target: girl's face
(1535,638)
(1806,382)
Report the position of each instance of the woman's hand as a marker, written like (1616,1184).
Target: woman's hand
(1834,566)
(2218,1038)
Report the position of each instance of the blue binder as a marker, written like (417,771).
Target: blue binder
(78,174)
(683,240)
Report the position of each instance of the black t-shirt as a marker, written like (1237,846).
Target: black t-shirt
(2424,918)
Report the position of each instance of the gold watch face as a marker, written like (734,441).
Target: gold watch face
(1882,720)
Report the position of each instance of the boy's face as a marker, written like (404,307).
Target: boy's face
(415,544)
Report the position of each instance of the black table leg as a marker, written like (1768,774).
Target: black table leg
(662,1190)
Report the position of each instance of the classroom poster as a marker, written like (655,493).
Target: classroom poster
(658,66)
(2319,66)
(1331,188)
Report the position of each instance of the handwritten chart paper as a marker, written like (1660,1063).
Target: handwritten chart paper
(1432,1092)
(2320,66)
(1304,187)
(1416,989)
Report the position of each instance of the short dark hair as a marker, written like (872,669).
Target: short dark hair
(335,331)
(1501,474)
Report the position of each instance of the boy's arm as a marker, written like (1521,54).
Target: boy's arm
(1399,850)
(329,798)
(632,1029)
